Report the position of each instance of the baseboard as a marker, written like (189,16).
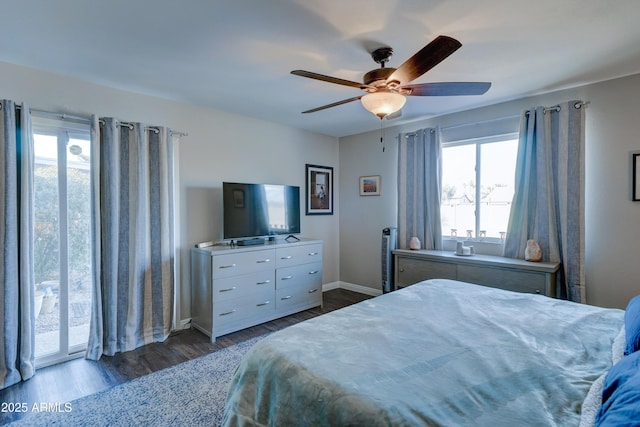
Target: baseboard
(329,286)
(351,287)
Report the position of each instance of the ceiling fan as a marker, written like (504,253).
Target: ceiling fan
(387,88)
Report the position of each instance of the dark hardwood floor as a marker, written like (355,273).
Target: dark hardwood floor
(80,377)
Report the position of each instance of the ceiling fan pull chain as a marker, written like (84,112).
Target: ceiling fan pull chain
(381,135)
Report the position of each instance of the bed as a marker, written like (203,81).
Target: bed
(438,353)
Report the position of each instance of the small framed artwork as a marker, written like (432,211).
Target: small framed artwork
(636,178)
(370,185)
(319,186)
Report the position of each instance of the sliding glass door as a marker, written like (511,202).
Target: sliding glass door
(62,246)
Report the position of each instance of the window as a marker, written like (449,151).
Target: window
(62,238)
(478,186)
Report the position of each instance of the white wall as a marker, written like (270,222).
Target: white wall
(612,220)
(219,147)
(362,218)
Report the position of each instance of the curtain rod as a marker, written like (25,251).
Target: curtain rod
(64,116)
(151,128)
(445,128)
(61,116)
(576,104)
(414,133)
(481,122)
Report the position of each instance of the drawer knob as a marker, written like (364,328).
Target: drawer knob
(227,266)
(263,282)
(287,297)
(287,277)
(228,289)
(263,303)
(312,253)
(262,261)
(314,272)
(313,290)
(286,257)
(538,291)
(228,312)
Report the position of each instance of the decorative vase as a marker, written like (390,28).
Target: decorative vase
(532,252)
(414,243)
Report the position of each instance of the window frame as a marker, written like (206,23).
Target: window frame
(478,142)
(64,130)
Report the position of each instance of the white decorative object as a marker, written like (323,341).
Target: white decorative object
(464,250)
(414,243)
(532,252)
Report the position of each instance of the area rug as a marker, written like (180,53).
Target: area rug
(192,393)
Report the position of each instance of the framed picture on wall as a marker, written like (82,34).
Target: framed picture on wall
(636,178)
(370,185)
(319,190)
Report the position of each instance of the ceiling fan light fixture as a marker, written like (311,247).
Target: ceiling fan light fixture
(383,103)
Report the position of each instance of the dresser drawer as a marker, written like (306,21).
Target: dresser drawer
(292,296)
(246,284)
(299,275)
(243,263)
(295,255)
(412,270)
(511,280)
(238,309)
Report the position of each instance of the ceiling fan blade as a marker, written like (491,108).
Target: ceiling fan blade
(447,89)
(335,104)
(427,58)
(329,79)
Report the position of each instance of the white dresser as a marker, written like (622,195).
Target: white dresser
(235,288)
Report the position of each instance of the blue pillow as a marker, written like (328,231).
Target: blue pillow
(632,325)
(621,394)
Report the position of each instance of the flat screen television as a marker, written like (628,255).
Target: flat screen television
(259,210)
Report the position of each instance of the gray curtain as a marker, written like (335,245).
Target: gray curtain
(419,182)
(548,205)
(133,221)
(17,316)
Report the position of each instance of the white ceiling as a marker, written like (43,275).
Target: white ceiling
(236,55)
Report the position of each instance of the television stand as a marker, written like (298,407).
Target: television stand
(291,236)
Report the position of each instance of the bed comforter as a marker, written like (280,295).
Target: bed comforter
(439,353)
